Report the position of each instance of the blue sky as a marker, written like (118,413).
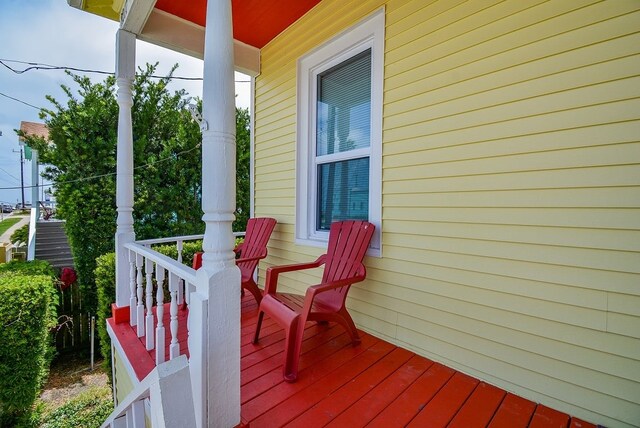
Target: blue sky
(51,32)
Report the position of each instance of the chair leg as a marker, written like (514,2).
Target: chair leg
(293,342)
(253,288)
(349,325)
(258,326)
(255,291)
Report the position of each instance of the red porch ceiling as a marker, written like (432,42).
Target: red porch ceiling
(255,22)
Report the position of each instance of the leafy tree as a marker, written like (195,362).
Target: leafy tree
(167,161)
(243,169)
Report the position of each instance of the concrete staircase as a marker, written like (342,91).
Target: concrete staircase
(52,244)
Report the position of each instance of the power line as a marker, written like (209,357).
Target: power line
(20,101)
(42,66)
(9,174)
(77,180)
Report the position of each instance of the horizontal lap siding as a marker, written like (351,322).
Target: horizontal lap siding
(511,191)
(123,382)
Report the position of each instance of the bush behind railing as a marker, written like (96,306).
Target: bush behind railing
(105,275)
(28,313)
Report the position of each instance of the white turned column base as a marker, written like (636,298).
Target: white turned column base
(214,346)
(123,279)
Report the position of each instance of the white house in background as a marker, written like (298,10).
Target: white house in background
(37,130)
(495,145)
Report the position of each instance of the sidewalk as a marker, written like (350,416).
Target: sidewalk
(5,237)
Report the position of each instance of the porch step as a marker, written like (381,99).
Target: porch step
(52,244)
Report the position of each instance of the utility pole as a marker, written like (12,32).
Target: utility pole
(21,173)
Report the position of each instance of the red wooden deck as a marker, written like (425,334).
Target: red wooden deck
(374,384)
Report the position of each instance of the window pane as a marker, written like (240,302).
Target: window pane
(343,192)
(343,116)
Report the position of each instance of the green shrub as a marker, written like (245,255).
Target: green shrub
(35,267)
(188,250)
(89,409)
(21,234)
(105,275)
(27,311)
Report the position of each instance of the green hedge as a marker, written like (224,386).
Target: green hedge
(36,267)
(28,312)
(105,275)
(188,250)
(21,234)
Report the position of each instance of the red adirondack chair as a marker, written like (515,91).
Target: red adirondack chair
(348,243)
(249,252)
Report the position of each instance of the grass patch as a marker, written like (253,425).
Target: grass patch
(6,224)
(88,409)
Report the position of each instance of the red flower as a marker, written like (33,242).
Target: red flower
(68,277)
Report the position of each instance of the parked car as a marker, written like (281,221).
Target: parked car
(6,208)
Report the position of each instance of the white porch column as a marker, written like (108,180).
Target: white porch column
(125,73)
(214,317)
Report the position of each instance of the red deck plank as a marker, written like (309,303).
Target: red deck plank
(478,410)
(318,347)
(332,405)
(136,353)
(514,412)
(313,335)
(544,417)
(443,407)
(306,397)
(364,410)
(307,376)
(407,405)
(274,377)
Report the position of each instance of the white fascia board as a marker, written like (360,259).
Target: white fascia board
(134,15)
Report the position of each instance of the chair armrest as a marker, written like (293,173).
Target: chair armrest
(250,259)
(271,281)
(319,288)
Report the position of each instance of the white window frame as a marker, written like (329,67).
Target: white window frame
(367,34)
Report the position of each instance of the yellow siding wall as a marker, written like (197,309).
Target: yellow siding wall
(511,190)
(122,379)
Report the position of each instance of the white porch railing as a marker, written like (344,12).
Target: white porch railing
(145,265)
(144,262)
(168,389)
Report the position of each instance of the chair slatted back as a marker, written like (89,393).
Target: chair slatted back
(255,243)
(348,244)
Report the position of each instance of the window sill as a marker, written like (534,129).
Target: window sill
(320,243)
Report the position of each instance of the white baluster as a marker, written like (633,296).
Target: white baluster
(140,306)
(132,288)
(174,348)
(180,246)
(148,266)
(160,314)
